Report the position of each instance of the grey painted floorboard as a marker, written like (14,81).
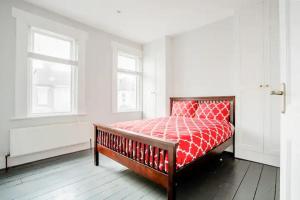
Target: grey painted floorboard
(74,176)
(31,168)
(267,184)
(228,187)
(248,187)
(208,187)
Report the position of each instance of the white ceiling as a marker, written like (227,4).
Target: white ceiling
(144,20)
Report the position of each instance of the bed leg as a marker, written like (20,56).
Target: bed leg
(96,158)
(171,193)
(233,146)
(96,153)
(172,174)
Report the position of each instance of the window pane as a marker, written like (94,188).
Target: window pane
(42,95)
(127,62)
(52,46)
(127,92)
(51,87)
(62,99)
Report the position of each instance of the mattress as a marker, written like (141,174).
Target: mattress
(195,137)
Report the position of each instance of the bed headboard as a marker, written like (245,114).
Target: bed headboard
(212,99)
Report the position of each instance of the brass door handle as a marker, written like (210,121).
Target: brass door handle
(277,92)
(283,94)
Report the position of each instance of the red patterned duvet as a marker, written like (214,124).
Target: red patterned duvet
(195,137)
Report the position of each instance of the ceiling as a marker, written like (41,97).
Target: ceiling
(144,20)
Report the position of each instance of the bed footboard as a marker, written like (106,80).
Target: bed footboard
(133,151)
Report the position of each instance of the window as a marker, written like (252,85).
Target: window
(50,67)
(128,78)
(52,63)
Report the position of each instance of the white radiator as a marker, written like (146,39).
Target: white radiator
(42,138)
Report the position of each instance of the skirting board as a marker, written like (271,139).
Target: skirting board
(19,160)
(258,157)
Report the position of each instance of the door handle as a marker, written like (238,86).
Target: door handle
(283,94)
(277,92)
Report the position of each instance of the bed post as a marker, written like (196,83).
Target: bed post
(171,105)
(171,173)
(171,190)
(233,122)
(96,153)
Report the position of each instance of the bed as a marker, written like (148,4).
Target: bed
(162,149)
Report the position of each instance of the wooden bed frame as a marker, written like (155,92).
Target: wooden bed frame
(167,180)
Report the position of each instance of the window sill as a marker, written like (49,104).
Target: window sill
(49,116)
(127,112)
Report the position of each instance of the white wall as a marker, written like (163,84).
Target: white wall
(204,60)
(98,80)
(201,62)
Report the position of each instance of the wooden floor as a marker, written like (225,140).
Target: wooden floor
(74,176)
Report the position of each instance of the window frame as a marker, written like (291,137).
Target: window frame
(25,23)
(72,62)
(129,51)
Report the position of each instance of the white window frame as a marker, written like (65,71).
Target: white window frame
(73,61)
(25,22)
(117,47)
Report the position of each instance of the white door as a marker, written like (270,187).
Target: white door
(259,113)
(272,82)
(290,120)
(149,81)
(251,32)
